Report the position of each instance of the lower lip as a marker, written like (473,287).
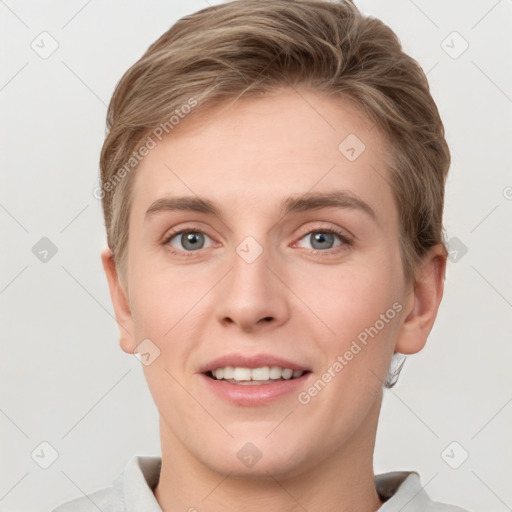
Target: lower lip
(254,395)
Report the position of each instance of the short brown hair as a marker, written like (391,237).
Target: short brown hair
(249,48)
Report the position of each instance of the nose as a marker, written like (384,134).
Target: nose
(252,297)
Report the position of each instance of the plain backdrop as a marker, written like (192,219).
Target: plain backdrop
(65,380)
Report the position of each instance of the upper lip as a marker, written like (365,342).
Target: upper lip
(250,361)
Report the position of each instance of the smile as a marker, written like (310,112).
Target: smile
(254,376)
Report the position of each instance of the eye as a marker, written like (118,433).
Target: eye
(324,239)
(188,240)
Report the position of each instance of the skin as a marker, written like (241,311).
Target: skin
(293,301)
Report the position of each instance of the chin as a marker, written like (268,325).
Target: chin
(260,459)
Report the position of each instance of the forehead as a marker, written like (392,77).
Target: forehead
(250,154)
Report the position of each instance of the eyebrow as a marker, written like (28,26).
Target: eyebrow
(335,199)
(304,202)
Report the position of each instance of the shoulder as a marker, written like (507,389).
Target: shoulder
(403,491)
(106,500)
(134,486)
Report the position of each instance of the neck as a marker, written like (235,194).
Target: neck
(341,482)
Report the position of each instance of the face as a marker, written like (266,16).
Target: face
(263,242)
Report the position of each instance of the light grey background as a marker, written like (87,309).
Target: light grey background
(64,378)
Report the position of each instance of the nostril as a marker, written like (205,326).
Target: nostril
(268,319)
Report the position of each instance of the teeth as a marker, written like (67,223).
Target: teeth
(287,374)
(241,373)
(229,371)
(276,372)
(260,373)
(264,373)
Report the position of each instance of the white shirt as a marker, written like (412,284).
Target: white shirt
(132,491)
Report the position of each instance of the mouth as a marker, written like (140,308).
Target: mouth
(262,375)
(253,380)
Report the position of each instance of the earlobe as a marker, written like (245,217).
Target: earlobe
(120,303)
(424,302)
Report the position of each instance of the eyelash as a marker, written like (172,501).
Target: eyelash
(346,241)
(185,254)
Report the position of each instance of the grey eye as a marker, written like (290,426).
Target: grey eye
(321,240)
(190,241)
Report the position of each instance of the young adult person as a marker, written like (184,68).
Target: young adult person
(273,182)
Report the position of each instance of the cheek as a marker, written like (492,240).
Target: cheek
(354,317)
(358,313)
(162,294)
(171,307)
(348,297)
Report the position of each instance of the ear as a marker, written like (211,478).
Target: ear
(121,303)
(423,303)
